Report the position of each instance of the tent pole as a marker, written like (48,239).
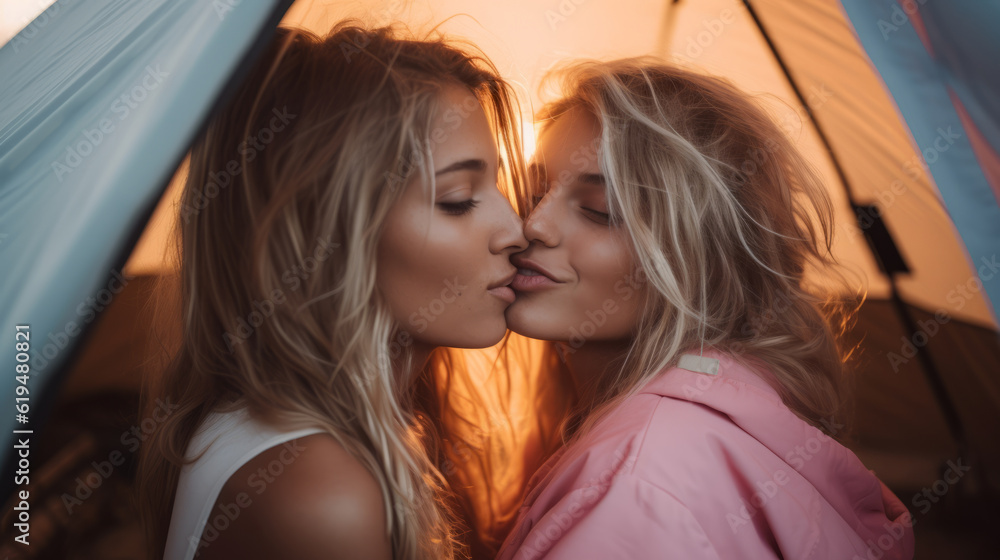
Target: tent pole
(667,27)
(882,248)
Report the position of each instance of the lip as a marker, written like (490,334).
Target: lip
(505,282)
(520,262)
(523,283)
(502,289)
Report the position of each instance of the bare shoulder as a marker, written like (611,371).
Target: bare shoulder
(308,498)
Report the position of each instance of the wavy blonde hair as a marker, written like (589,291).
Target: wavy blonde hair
(297,213)
(725,217)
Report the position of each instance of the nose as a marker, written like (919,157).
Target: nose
(541,225)
(509,234)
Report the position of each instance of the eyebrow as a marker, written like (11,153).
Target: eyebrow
(464,165)
(596,179)
(591,179)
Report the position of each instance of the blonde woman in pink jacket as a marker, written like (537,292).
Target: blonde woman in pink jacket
(672,227)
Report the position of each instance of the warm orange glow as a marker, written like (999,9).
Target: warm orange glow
(528,138)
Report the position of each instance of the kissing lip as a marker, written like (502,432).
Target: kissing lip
(505,282)
(529,264)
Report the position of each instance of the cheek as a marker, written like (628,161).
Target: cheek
(423,275)
(433,279)
(610,290)
(603,303)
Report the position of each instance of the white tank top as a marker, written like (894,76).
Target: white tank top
(232,439)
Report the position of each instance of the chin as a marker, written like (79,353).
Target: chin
(481,335)
(533,322)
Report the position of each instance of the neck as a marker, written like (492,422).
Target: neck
(589,364)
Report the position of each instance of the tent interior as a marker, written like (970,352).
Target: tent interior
(926,364)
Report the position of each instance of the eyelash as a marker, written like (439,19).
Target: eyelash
(602,218)
(458,208)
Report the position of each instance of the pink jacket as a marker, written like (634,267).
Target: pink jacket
(696,466)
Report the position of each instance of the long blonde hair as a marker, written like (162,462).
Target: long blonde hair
(725,217)
(287,192)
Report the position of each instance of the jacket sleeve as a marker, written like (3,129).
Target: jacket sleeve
(631,520)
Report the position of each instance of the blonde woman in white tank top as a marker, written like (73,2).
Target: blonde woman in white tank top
(341,219)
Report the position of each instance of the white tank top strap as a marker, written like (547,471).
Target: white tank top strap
(231,439)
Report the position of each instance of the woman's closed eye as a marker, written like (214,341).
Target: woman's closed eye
(596,216)
(458,208)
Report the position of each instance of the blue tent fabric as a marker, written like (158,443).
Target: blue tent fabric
(966,44)
(101,100)
(964,62)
